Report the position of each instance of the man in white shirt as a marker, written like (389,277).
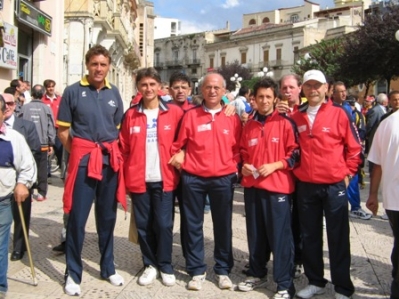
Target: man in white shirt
(384,153)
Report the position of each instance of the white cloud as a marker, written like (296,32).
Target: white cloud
(202,11)
(230,3)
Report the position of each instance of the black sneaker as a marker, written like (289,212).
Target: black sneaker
(60,248)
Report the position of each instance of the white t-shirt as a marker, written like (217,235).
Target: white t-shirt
(312,112)
(385,152)
(152,161)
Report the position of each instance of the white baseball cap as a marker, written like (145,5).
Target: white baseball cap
(314,75)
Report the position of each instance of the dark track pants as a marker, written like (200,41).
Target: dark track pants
(268,219)
(104,194)
(394,222)
(42,185)
(220,191)
(313,200)
(18,236)
(153,211)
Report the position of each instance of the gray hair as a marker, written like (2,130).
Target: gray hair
(381,98)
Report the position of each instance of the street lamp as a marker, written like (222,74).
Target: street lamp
(265,72)
(397,35)
(236,79)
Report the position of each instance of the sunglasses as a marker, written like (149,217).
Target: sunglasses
(10,104)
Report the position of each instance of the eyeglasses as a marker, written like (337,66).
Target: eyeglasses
(10,104)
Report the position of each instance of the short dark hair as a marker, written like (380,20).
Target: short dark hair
(392,93)
(48,82)
(338,83)
(179,76)
(97,50)
(149,72)
(243,91)
(266,83)
(37,91)
(15,83)
(10,90)
(351,100)
(2,104)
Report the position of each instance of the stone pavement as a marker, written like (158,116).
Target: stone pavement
(371,244)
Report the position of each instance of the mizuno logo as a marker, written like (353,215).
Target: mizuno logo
(341,193)
(281,199)
(112,103)
(83,94)
(226,132)
(324,129)
(167,127)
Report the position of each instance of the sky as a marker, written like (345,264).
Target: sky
(204,15)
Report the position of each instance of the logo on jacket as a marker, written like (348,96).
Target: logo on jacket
(253,142)
(167,127)
(341,193)
(112,103)
(83,94)
(301,128)
(325,129)
(226,132)
(134,130)
(275,139)
(281,199)
(204,127)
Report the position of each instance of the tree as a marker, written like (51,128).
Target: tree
(324,56)
(230,69)
(372,53)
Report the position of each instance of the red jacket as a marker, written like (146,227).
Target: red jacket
(81,147)
(133,138)
(54,105)
(211,143)
(273,141)
(330,150)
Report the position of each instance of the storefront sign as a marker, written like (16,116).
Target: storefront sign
(9,53)
(34,17)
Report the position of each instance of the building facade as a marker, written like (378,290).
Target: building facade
(33,41)
(166,27)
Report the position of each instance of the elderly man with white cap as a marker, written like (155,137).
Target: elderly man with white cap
(329,158)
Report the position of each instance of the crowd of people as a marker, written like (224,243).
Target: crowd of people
(296,146)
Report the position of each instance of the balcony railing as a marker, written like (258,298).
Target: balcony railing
(175,62)
(193,61)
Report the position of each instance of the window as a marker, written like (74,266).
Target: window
(266,20)
(193,71)
(175,55)
(278,54)
(195,56)
(157,59)
(266,56)
(223,61)
(211,62)
(252,22)
(243,57)
(296,54)
(294,18)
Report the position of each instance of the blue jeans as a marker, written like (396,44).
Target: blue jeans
(5,225)
(354,193)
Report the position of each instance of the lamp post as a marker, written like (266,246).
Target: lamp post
(236,79)
(397,35)
(265,72)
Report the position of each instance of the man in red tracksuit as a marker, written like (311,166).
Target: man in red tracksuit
(269,152)
(210,140)
(330,155)
(147,133)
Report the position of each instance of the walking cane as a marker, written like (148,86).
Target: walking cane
(32,268)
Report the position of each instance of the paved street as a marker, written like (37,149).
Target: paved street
(371,244)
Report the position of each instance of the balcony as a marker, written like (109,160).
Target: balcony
(193,61)
(158,65)
(176,63)
(103,13)
(120,31)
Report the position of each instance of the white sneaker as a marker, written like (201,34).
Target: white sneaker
(360,214)
(309,291)
(71,288)
(384,217)
(116,280)
(341,296)
(224,282)
(148,277)
(251,283)
(282,295)
(195,284)
(168,279)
